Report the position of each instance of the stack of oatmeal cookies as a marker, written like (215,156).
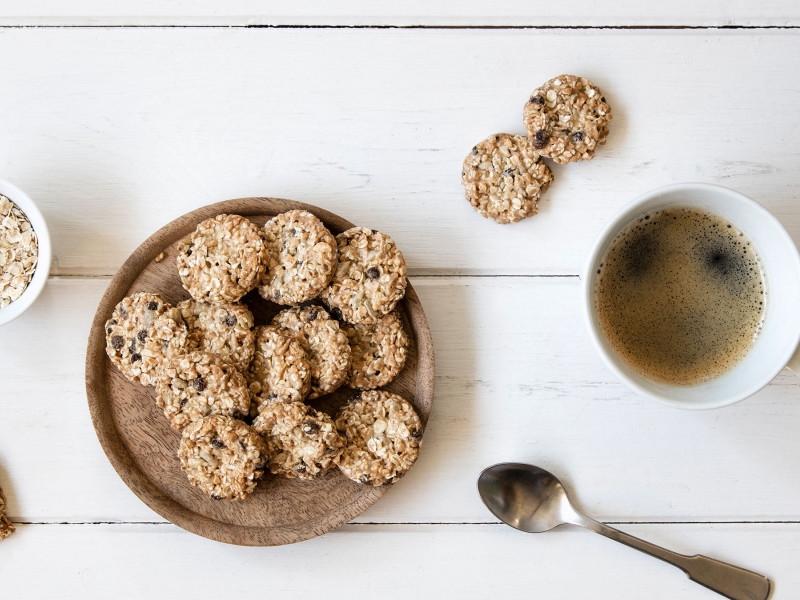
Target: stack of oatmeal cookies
(504,176)
(237,391)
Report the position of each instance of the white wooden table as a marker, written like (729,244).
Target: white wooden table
(118,117)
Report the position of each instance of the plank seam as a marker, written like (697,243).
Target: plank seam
(421,27)
(442,523)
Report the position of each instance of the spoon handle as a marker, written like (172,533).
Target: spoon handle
(730,581)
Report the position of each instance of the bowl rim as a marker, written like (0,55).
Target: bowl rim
(42,272)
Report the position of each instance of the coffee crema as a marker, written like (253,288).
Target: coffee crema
(680,295)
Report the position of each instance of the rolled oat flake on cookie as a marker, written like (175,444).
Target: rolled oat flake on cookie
(504,177)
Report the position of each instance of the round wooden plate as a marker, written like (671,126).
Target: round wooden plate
(143,448)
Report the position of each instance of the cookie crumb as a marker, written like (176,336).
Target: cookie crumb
(160,257)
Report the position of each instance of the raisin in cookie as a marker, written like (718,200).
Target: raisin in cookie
(301,442)
(382,435)
(222,260)
(370,278)
(224,329)
(504,177)
(223,457)
(280,369)
(142,332)
(324,342)
(301,258)
(195,385)
(6,526)
(378,351)
(567,118)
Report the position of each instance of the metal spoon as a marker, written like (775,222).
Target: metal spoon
(531,499)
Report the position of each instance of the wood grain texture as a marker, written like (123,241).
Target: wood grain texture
(361,561)
(405,13)
(517,379)
(115,132)
(143,448)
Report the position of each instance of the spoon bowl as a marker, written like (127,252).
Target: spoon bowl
(526,497)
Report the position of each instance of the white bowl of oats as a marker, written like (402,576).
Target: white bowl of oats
(24,252)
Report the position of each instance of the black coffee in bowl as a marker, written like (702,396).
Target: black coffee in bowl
(680,295)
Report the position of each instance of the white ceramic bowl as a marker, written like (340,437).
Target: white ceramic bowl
(37,283)
(779,338)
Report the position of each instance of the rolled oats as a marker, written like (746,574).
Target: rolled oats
(567,118)
(142,332)
(504,178)
(382,435)
(301,258)
(378,351)
(223,457)
(370,278)
(280,369)
(198,384)
(301,442)
(224,329)
(324,342)
(6,526)
(222,260)
(19,252)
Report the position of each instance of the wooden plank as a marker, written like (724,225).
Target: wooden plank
(407,13)
(455,561)
(517,380)
(116,132)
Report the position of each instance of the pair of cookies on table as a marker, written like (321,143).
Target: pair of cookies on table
(504,176)
(211,368)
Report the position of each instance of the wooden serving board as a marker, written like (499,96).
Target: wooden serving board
(143,448)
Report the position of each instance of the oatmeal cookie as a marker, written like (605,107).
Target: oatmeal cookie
(324,342)
(370,278)
(382,435)
(19,253)
(6,526)
(280,369)
(223,457)
(567,118)
(379,352)
(301,258)
(504,177)
(224,329)
(222,260)
(301,442)
(142,332)
(194,385)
